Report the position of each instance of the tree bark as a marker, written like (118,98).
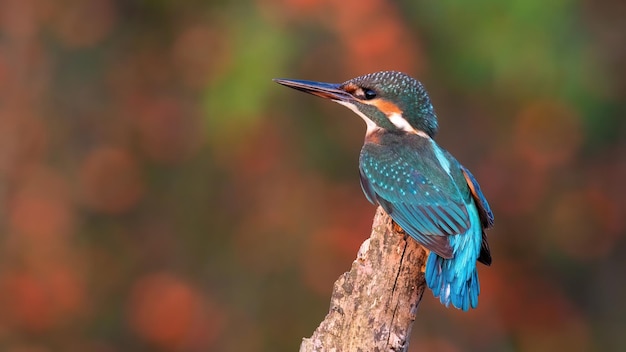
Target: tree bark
(374,305)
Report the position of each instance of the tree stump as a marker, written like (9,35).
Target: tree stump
(374,305)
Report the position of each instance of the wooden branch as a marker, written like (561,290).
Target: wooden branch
(374,305)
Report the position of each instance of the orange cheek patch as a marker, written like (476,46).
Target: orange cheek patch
(386,106)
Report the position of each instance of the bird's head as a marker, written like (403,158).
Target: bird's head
(387,100)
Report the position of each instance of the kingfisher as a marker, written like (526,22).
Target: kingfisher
(421,186)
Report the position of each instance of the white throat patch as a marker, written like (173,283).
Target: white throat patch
(371,125)
(395,118)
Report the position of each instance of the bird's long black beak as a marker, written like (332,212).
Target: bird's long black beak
(330,91)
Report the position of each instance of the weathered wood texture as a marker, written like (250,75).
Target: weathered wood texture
(374,305)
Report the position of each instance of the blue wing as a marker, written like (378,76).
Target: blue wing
(484,211)
(418,194)
(486,216)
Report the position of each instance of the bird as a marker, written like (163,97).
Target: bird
(421,186)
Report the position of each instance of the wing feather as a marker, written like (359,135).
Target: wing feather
(484,211)
(486,216)
(403,184)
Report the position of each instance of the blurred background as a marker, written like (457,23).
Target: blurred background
(159,192)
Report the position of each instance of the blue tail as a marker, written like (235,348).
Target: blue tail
(453,281)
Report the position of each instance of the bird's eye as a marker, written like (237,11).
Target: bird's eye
(369,94)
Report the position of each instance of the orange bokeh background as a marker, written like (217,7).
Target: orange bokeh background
(158,192)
